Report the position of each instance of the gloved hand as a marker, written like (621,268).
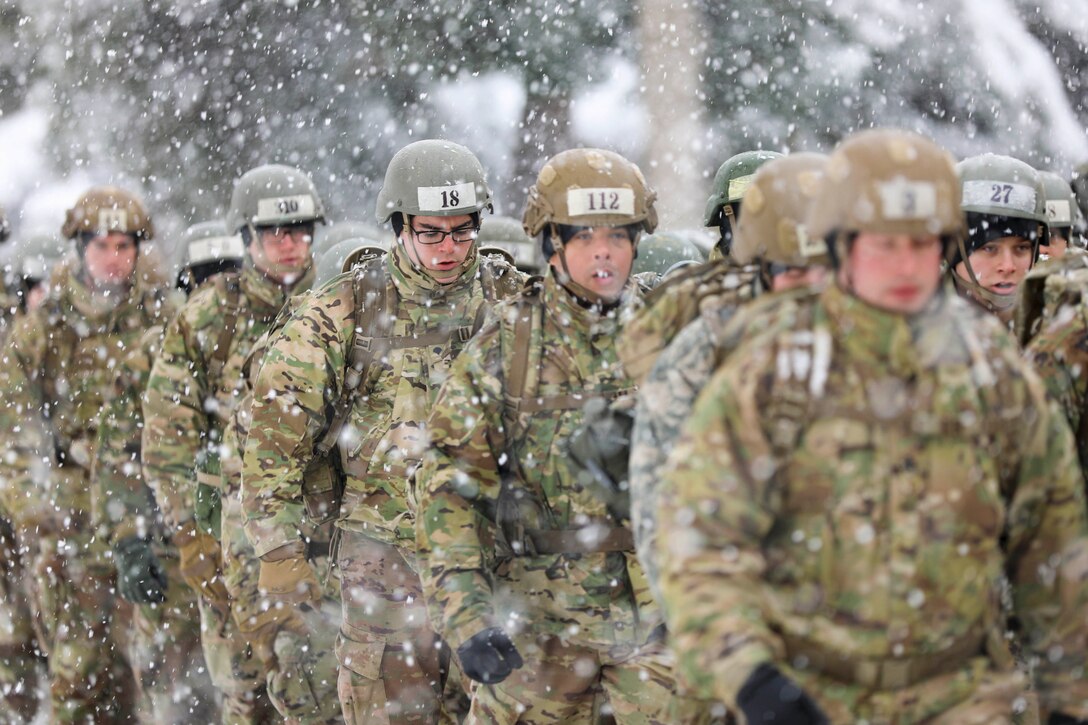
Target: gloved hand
(768,696)
(489,656)
(287,576)
(601,448)
(200,563)
(140,577)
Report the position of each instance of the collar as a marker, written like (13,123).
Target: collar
(265,295)
(415,284)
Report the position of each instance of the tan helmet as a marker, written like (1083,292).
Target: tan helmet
(589,187)
(887,182)
(772,227)
(105,209)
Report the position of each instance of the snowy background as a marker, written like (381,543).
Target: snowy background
(176,99)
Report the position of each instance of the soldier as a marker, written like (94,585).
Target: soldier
(196,382)
(855,483)
(722,282)
(534,580)
(54,379)
(507,233)
(165,652)
(1063,216)
(357,367)
(1005,204)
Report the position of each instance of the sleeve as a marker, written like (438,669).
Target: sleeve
(296,387)
(176,418)
(27,461)
(458,488)
(717,505)
(1047,561)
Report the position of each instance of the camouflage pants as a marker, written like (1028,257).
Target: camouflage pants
(566,683)
(72,597)
(393,667)
(300,672)
(19,657)
(974,694)
(165,652)
(234,668)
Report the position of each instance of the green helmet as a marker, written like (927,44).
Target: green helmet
(207,248)
(433,178)
(507,234)
(340,231)
(334,260)
(663,252)
(732,181)
(1062,211)
(273,195)
(5,226)
(1002,186)
(35,256)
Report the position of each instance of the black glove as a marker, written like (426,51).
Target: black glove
(768,696)
(1060,718)
(140,578)
(489,656)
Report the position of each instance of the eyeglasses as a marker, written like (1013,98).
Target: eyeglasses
(461,235)
(298,232)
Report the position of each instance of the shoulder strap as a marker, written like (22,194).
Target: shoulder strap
(522,358)
(375,309)
(229,286)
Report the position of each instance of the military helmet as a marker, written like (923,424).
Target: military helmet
(589,187)
(5,226)
(887,181)
(732,180)
(1080,188)
(772,227)
(35,256)
(334,260)
(105,209)
(208,242)
(339,231)
(1062,211)
(662,252)
(507,234)
(433,178)
(274,195)
(1002,186)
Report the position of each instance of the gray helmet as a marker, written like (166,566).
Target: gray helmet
(433,178)
(35,256)
(5,226)
(340,231)
(507,234)
(210,242)
(334,260)
(661,252)
(1062,211)
(1002,186)
(274,195)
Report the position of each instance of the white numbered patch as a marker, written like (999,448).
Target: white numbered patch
(445,198)
(905,199)
(614,201)
(285,207)
(212,248)
(809,246)
(1018,197)
(1059,212)
(739,185)
(112,220)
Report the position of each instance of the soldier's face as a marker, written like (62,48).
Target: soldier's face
(1057,247)
(1000,265)
(282,253)
(110,258)
(599,259)
(441,260)
(894,272)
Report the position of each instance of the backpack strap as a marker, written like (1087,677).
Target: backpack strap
(229,286)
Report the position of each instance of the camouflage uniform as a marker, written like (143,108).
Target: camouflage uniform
(190,395)
(61,357)
(164,651)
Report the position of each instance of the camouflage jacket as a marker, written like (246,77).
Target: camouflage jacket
(126,502)
(668,394)
(864,482)
(678,301)
(194,387)
(498,482)
(61,361)
(303,376)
